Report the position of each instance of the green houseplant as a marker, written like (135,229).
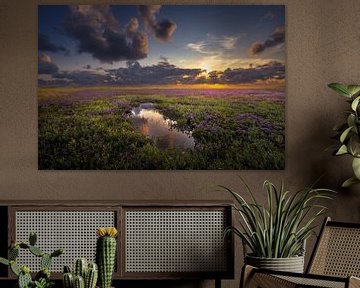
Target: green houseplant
(348,132)
(275,233)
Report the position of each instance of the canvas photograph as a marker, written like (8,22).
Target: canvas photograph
(161,87)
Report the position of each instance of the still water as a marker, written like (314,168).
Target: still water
(152,123)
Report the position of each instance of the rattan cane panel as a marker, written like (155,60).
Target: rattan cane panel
(338,253)
(313,282)
(175,241)
(75,231)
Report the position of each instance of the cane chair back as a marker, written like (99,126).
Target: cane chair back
(337,252)
(335,262)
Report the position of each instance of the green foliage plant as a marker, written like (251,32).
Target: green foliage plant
(42,278)
(348,133)
(280,228)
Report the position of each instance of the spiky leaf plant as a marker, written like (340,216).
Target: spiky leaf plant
(279,229)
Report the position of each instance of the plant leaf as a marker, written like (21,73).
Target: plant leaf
(345,134)
(353,89)
(340,88)
(349,182)
(355,103)
(342,150)
(351,119)
(356,167)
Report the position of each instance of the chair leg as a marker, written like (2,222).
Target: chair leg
(217,283)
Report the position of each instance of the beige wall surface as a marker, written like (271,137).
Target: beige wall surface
(322,40)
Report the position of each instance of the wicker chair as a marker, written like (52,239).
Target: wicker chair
(335,262)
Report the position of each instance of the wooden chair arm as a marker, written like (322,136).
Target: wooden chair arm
(251,279)
(354,282)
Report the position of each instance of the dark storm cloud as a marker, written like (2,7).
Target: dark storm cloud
(276,38)
(44,44)
(271,70)
(161,73)
(164,73)
(163,29)
(46,66)
(82,77)
(98,33)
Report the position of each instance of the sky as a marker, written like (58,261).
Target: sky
(161,44)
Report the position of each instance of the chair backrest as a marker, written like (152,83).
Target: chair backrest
(337,251)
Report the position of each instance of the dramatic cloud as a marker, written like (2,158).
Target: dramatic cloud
(164,73)
(161,73)
(83,77)
(44,44)
(163,29)
(45,65)
(98,33)
(271,70)
(276,38)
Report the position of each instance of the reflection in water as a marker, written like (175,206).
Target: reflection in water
(152,124)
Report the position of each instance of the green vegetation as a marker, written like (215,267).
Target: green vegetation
(279,228)
(94,131)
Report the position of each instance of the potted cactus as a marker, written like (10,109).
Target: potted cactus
(84,275)
(106,254)
(42,278)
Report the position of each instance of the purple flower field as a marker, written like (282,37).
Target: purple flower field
(226,128)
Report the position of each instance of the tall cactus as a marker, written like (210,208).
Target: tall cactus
(106,254)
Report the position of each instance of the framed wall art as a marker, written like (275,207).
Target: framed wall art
(171,87)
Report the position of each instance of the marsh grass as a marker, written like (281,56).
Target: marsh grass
(89,128)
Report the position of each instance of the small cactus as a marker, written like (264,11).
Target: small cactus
(57,252)
(89,272)
(32,239)
(13,253)
(14,268)
(68,280)
(24,277)
(79,282)
(80,268)
(91,276)
(36,251)
(106,254)
(45,261)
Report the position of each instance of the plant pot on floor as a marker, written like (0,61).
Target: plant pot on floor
(290,264)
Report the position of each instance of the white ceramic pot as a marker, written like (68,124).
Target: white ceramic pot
(291,264)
